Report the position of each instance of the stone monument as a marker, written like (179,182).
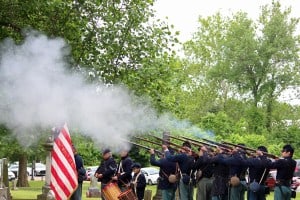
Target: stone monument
(46,192)
(93,190)
(4,182)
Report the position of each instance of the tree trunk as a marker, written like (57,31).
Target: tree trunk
(23,174)
(269,115)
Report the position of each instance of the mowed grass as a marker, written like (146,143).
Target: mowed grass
(36,189)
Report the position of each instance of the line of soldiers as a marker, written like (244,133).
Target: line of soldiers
(216,176)
(222,176)
(121,174)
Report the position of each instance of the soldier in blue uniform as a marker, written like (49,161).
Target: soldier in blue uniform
(220,183)
(185,161)
(123,172)
(138,181)
(106,170)
(204,178)
(77,195)
(285,170)
(258,173)
(237,172)
(166,169)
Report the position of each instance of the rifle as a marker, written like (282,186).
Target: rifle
(194,142)
(211,143)
(169,143)
(165,142)
(250,149)
(199,144)
(145,147)
(146,140)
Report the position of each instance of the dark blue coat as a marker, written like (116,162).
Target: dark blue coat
(258,170)
(140,185)
(166,168)
(107,168)
(79,167)
(185,161)
(285,169)
(203,163)
(220,182)
(236,163)
(124,171)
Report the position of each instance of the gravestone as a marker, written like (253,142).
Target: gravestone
(4,183)
(93,190)
(47,194)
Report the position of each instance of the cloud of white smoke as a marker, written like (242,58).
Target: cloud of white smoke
(36,90)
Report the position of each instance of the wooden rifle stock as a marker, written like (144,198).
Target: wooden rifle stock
(165,142)
(169,143)
(199,144)
(145,147)
(250,149)
(211,143)
(194,142)
(146,140)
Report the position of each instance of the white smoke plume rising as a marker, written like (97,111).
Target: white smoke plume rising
(36,90)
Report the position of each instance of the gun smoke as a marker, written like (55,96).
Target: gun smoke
(37,90)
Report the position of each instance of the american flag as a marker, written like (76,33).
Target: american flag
(63,179)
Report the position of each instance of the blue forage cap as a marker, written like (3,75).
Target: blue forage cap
(105,151)
(263,148)
(136,165)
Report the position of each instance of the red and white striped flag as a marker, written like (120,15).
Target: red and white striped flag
(63,180)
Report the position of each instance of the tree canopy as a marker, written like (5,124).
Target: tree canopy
(256,62)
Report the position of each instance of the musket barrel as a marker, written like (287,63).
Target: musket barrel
(173,144)
(210,143)
(169,143)
(250,149)
(194,142)
(146,140)
(220,145)
(145,147)
(199,143)
(181,139)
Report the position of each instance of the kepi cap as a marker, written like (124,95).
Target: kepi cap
(105,151)
(136,165)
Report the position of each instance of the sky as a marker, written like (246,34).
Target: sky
(183,14)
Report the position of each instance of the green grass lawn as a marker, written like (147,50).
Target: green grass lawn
(36,189)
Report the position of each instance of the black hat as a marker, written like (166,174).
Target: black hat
(172,151)
(136,165)
(263,148)
(105,151)
(288,148)
(187,144)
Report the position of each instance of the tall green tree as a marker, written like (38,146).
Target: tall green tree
(256,61)
(280,54)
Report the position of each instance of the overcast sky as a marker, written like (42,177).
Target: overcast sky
(183,14)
